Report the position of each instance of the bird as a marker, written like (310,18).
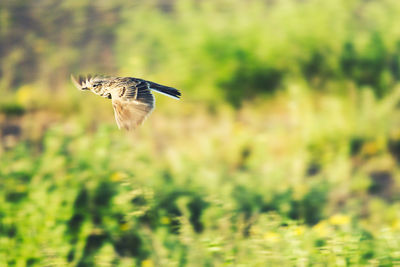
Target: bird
(131,98)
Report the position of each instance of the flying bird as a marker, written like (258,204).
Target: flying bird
(131,98)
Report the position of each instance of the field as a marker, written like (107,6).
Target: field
(283,151)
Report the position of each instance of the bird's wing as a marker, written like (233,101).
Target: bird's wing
(132,104)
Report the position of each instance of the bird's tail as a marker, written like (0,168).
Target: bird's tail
(168,91)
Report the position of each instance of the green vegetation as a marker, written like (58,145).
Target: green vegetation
(284,150)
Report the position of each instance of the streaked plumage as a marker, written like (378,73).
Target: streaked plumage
(132,99)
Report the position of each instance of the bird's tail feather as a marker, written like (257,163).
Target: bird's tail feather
(168,91)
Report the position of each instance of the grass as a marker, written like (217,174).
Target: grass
(301,179)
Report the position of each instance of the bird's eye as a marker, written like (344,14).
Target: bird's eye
(95,85)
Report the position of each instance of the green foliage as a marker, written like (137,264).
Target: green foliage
(241,58)
(173,195)
(12,109)
(238,50)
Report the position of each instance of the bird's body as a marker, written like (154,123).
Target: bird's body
(131,97)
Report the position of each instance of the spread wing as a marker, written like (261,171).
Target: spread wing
(132,104)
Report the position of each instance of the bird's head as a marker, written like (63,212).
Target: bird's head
(91,83)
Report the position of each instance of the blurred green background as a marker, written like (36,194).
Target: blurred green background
(284,150)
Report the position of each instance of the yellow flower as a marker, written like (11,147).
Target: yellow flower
(370,148)
(299,230)
(20,188)
(396,224)
(117,176)
(147,263)
(321,229)
(25,95)
(124,226)
(165,220)
(339,219)
(271,237)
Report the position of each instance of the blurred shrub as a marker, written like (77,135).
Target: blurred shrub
(12,109)
(235,50)
(250,79)
(243,52)
(368,67)
(46,40)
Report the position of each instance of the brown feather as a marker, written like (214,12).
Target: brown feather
(130,114)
